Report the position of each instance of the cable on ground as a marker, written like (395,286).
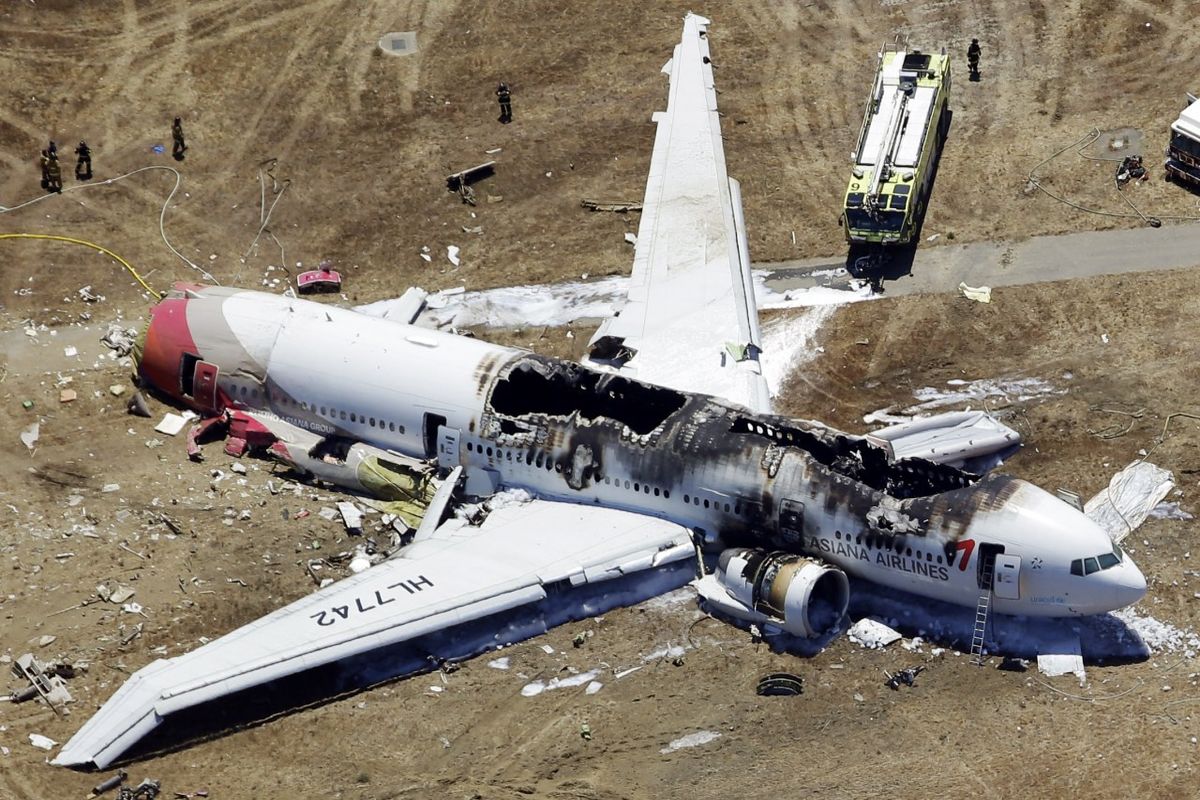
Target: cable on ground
(94,246)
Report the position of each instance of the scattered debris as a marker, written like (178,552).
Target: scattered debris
(980,294)
(319,281)
(42,742)
(352,517)
(631,238)
(1129,498)
(780,684)
(146,790)
(44,682)
(119,340)
(137,406)
(452,254)
(116,390)
(29,436)
(585,732)
(618,207)
(461,181)
(907,677)
(691,740)
(46,640)
(173,424)
(67,396)
(872,634)
(107,785)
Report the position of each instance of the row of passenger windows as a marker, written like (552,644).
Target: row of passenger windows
(887,543)
(324,411)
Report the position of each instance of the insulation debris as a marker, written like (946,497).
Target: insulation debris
(980,294)
(1065,658)
(173,424)
(872,634)
(1129,498)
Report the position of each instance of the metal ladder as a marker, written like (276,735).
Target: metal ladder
(982,609)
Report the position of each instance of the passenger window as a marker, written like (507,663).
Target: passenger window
(539,459)
(342,414)
(908,552)
(636,487)
(626,484)
(667,494)
(372,422)
(706,502)
(656,491)
(353,417)
(687,498)
(323,411)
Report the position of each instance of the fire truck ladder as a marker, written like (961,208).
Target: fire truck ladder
(888,143)
(982,612)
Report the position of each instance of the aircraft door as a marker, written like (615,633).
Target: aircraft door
(204,385)
(1007,582)
(447,447)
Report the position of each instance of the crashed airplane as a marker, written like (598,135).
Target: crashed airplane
(663,441)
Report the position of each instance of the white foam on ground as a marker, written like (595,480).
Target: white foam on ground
(499,663)
(960,391)
(534,688)
(1160,636)
(788,343)
(691,740)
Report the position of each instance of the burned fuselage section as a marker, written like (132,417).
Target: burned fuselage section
(573,433)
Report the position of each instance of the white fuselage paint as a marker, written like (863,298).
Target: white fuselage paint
(385,383)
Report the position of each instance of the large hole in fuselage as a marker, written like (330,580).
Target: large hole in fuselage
(561,389)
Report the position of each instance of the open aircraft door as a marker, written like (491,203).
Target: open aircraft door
(447,447)
(1007,583)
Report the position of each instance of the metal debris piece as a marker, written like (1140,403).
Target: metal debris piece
(908,677)
(146,790)
(29,436)
(780,684)
(137,406)
(108,785)
(618,207)
(43,681)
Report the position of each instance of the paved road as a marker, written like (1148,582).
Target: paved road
(1042,258)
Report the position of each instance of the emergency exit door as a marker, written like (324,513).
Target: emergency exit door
(1007,582)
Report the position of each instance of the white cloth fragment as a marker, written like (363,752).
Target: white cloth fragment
(41,742)
(172,424)
(872,634)
(691,740)
(29,436)
(452,254)
(1129,498)
(980,294)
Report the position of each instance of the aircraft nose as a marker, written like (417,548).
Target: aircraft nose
(1129,583)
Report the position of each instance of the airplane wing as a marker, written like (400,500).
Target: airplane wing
(457,575)
(690,321)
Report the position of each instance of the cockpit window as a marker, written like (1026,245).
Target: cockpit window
(1086,566)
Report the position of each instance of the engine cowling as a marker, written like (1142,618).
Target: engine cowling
(800,595)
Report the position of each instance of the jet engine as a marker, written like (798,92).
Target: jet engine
(797,594)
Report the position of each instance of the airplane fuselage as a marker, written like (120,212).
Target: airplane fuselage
(568,432)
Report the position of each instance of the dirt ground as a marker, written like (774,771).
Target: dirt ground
(365,142)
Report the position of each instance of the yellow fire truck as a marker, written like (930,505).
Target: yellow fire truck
(902,133)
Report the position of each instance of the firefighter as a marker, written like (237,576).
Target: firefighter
(973,53)
(53,149)
(83,163)
(504,96)
(177,143)
(44,161)
(53,175)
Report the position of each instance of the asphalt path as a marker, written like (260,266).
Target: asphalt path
(938,267)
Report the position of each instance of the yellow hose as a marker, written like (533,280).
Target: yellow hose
(92,245)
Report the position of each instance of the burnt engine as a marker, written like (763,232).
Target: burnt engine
(799,595)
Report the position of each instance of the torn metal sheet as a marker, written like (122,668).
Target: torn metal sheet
(953,438)
(1122,506)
